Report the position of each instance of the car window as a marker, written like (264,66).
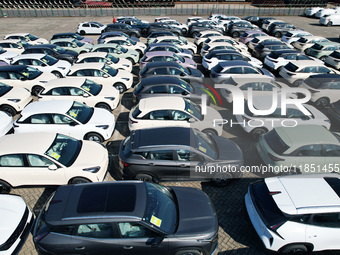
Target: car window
(14,76)
(332,150)
(334,85)
(23,62)
(84,72)
(12,160)
(309,69)
(162,70)
(76,92)
(161,155)
(180,115)
(310,150)
(63,91)
(133,230)
(157,59)
(157,89)
(61,119)
(3,75)
(40,119)
(187,155)
(294,113)
(234,70)
(159,115)
(290,56)
(224,57)
(176,89)
(248,70)
(331,220)
(98,230)
(38,161)
(86,25)
(322,69)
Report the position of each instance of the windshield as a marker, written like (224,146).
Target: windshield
(92,87)
(30,72)
(185,85)
(205,144)
(80,112)
(59,49)
(122,49)
(79,44)
(78,37)
(4,89)
(64,149)
(161,208)
(131,41)
(179,58)
(111,58)
(31,37)
(193,109)
(335,54)
(111,71)
(49,60)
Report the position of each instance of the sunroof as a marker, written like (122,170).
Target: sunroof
(334,183)
(107,198)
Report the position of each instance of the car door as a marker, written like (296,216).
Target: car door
(180,118)
(40,122)
(323,231)
(157,118)
(187,162)
(332,157)
(136,240)
(309,158)
(161,163)
(65,125)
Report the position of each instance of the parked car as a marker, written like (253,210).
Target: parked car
(72,35)
(170,48)
(176,24)
(181,43)
(267,23)
(262,39)
(127,43)
(66,117)
(330,20)
(252,19)
(208,45)
(131,17)
(246,37)
(333,59)
(279,29)
(52,50)
(204,35)
(310,213)
(157,158)
(44,63)
(6,127)
(103,74)
(164,56)
(191,20)
(225,20)
(310,12)
(327,11)
(294,35)
(295,149)
(82,90)
(222,46)
(73,44)
(17,222)
(307,41)
(149,216)
(261,20)
(160,19)
(334,111)
(127,29)
(235,29)
(29,38)
(322,49)
(161,26)
(107,35)
(90,27)
(6,56)
(263,49)
(25,76)
(107,58)
(14,45)
(155,35)
(196,28)
(135,23)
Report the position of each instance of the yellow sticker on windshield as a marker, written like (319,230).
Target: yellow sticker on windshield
(55,155)
(87,88)
(44,60)
(183,85)
(191,111)
(26,74)
(73,114)
(154,220)
(203,149)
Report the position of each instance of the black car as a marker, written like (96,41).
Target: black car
(120,27)
(179,154)
(265,48)
(71,35)
(162,86)
(52,50)
(334,111)
(262,20)
(279,29)
(171,69)
(126,217)
(169,47)
(196,28)
(136,24)
(103,36)
(252,19)
(162,27)
(235,29)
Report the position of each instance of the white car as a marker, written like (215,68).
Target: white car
(297,71)
(307,42)
(127,43)
(333,59)
(175,23)
(179,42)
(327,11)
(312,11)
(25,77)
(292,36)
(103,74)
(306,209)
(257,125)
(224,21)
(44,63)
(216,17)
(160,19)
(221,45)
(31,39)
(203,35)
(72,44)
(6,56)
(224,38)
(90,27)
(13,99)
(16,221)
(191,20)
(330,20)
(67,117)
(6,124)
(107,58)
(173,112)
(267,23)
(82,90)
(50,159)
(14,45)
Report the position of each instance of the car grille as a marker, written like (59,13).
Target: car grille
(16,234)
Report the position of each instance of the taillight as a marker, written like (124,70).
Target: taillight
(272,157)
(39,237)
(276,226)
(123,163)
(132,121)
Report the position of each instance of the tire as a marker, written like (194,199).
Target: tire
(221,179)
(322,102)
(5,188)
(120,86)
(144,177)
(329,24)
(104,106)
(323,58)
(140,53)
(9,109)
(297,83)
(209,132)
(294,249)
(192,51)
(57,74)
(235,34)
(36,90)
(133,35)
(278,34)
(184,31)
(257,132)
(132,61)
(79,180)
(82,32)
(94,137)
(194,34)
(188,252)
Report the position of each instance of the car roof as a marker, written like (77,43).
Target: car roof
(238,80)
(95,202)
(159,103)
(92,54)
(33,55)
(286,51)
(92,65)
(153,45)
(218,52)
(299,195)
(162,64)
(18,34)
(64,40)
(326,77)
(68,81)
(234,63)
(159,53)
(327,43)
(106,45)
(69,33)
(153,80)
(304,63)
(38,46)
(14,68)
(49,106)
(298,31)
(255,32)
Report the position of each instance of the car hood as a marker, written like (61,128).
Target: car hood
(228,150)
(101,117)
(108,91)
(63,63)
(17,93)
(45,77)
(91,154)
(197,216)
(12,209)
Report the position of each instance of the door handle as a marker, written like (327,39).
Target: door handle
(182,165)
(80,248)
(151,164)
(127,247)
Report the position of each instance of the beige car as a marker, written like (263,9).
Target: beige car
(333,59)
(50,159)
(307,41)
(203,35)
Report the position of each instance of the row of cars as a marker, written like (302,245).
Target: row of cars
(327,16)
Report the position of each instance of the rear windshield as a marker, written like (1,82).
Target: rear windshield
(275,142)
(302,40)
(273,55)
(335,54)
(291,67)
(288,34)
(314,83)
(255,40)
(317,46)
(218,68)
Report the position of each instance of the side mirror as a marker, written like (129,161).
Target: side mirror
(24,78)
(191,120)
(73,124)
(156,241)
(105,76)
(182,74)
(43,64)
(184,93)
(85,95)
(74,46)
(19,47)
(52,167)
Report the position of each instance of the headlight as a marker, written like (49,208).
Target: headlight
(43,81)
(126,79)
(126,65)
(134,55)
(14,100)
(62,68)
(92,169)
(110,98)
(103,126)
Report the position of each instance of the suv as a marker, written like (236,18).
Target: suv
(279,29)
(127,218)
(322,49)
(160,27)
(135,23)
(291,215)
(196,28)
(120,27)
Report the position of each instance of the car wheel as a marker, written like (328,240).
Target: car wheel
(184,30)
(79,180)
(257,132)
(144,177)
(297,83)
(188,252)
(94,137)
(221,179)
(194,34)
(323,58)
(192,51)
(36,90)
(9,109)
(132,61)
(57,74)
(82,32)
(5,188)
(120,86)
(235,34)
(133,35)
(278,34)
(104,106)
(329,24)
(294,249)
(209,132)
(140,53)
(322,102)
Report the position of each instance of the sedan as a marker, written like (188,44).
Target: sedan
(117,51)
(46,159)
(170,48)
(72,35)
(31,39)
(164,56)
(72,44)
(67,117)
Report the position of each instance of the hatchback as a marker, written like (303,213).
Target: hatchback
(263,49)
(330,20)
(292,36)
(322,50)
(72,35)
(161,26)
(90,27)
(107,35)
(176,24)
(204,35)
(250,35)
(307,41)
(127,43)
(278,30)
(333,59)
(179,42)
(127,29)
(170,48)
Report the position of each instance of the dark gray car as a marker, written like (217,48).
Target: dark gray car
(279,29)
(263,49)
(160,27)
(120,27)
(170,47)
(126,218)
